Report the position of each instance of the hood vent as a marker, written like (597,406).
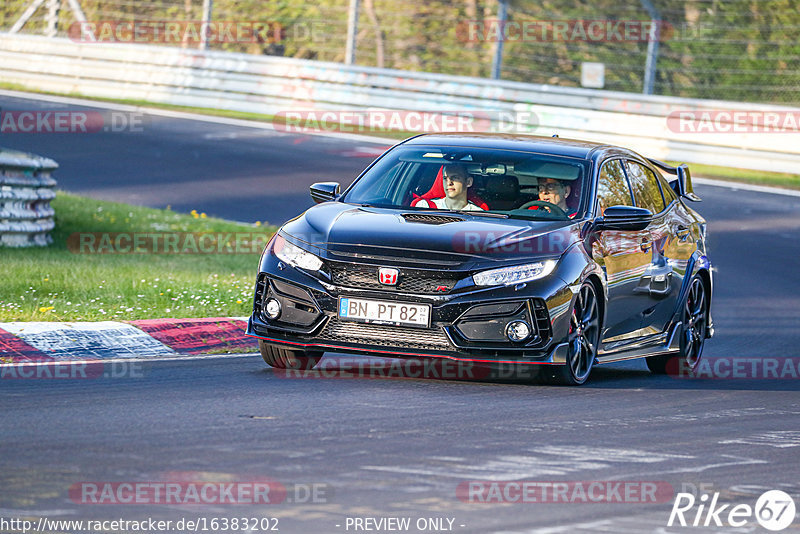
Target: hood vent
(427,218)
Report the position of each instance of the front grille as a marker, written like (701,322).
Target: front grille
(400,337)
(410,281)
(430,219)
(428,259)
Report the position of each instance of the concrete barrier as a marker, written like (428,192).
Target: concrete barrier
(26,189)
(269,85)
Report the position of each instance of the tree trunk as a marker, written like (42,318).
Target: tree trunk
(187,11)
(369,8)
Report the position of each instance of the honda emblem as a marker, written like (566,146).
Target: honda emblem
(388,276)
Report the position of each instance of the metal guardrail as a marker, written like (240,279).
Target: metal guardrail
(26,189)
(270,85)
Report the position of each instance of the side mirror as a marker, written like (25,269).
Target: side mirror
(683,185)
(324,191)
(624,218)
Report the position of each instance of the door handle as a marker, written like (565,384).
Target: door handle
(682,232)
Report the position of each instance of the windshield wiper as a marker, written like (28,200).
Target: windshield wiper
(470,212)
(440,211)
(483,214)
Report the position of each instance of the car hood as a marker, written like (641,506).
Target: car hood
(336,228)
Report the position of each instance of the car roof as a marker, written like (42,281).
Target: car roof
(529,143)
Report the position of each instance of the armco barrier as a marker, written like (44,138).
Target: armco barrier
(270,85)
(26,189)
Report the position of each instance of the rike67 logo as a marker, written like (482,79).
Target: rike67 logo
(774,510)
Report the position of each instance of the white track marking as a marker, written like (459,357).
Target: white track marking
(738,461)
(544,461)
(88,340)
(776,438)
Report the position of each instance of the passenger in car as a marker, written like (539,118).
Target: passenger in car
(456,181)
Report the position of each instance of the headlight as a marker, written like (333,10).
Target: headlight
(294,255)
(514,275)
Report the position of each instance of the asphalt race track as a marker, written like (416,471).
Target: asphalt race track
(400,447)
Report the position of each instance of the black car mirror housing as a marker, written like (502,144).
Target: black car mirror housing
(324,191)
(624,218)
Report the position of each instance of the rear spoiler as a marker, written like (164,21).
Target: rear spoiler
(683,185)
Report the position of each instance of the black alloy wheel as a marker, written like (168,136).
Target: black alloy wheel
(693,331)
(583,340)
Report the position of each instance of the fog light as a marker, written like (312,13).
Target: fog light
(273,308)
(518,330)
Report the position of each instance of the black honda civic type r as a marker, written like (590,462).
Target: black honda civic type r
(496,250)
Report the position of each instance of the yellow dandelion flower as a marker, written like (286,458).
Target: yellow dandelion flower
(203,215)
(45,309)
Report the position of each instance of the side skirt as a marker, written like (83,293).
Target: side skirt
(659,344)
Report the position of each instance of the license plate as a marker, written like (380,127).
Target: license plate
(384,312)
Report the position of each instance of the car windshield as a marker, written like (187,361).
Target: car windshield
(501,183)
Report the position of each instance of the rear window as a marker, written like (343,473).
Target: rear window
(666,189)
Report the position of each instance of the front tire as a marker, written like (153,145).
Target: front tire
(693,331)
(281,358)
(584,338)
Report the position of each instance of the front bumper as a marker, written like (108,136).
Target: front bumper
(466,325)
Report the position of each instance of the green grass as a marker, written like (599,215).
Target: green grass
(56,283)
(776,179)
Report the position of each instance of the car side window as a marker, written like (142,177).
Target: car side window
(612,187)
(666,190)
(646,190)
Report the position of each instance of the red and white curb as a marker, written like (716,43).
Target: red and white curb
(24,342)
